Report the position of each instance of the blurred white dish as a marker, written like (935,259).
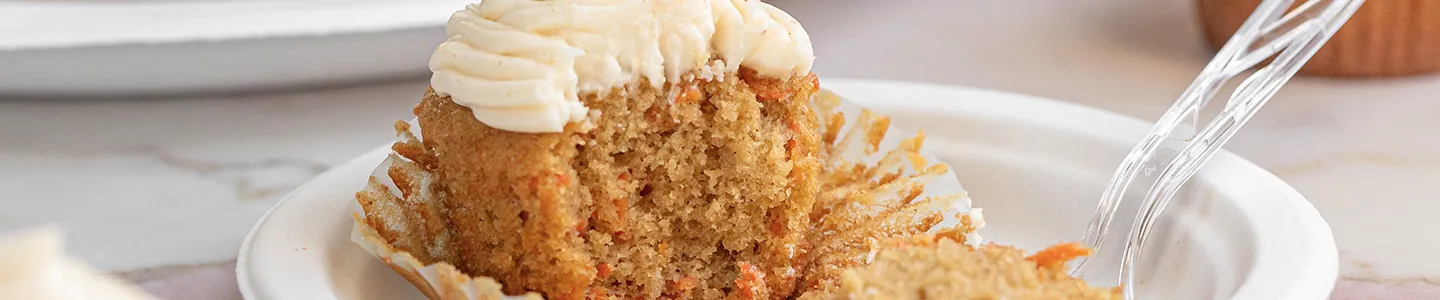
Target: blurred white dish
(100,48)
(1036,166)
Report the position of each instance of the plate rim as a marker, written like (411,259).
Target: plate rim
(242,259)
(1320,264)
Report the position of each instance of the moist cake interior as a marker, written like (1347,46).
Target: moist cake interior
(667,193)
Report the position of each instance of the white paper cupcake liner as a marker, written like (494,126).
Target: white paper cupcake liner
(905,172)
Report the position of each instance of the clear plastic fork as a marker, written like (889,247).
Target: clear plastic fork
(1176,147)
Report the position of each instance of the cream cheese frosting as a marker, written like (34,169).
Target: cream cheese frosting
(33,266)
(521,65)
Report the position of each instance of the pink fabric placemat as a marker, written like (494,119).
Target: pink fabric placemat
(209,282)
(217,282)
(1347,289)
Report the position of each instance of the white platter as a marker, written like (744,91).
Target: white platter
(126,48)
(1037,167)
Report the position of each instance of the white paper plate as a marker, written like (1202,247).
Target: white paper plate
(1036,166)
(118,48)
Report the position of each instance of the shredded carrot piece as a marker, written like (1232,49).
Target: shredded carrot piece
(1056,256)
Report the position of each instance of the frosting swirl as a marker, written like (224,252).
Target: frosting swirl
(520,65)
(33,266)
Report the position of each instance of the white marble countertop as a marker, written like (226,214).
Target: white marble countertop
(150,186)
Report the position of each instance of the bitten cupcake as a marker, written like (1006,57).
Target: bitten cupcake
(639,149)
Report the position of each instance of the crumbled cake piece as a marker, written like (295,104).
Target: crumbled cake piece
(941,267)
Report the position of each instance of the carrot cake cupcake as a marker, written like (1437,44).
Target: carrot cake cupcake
(637,149)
